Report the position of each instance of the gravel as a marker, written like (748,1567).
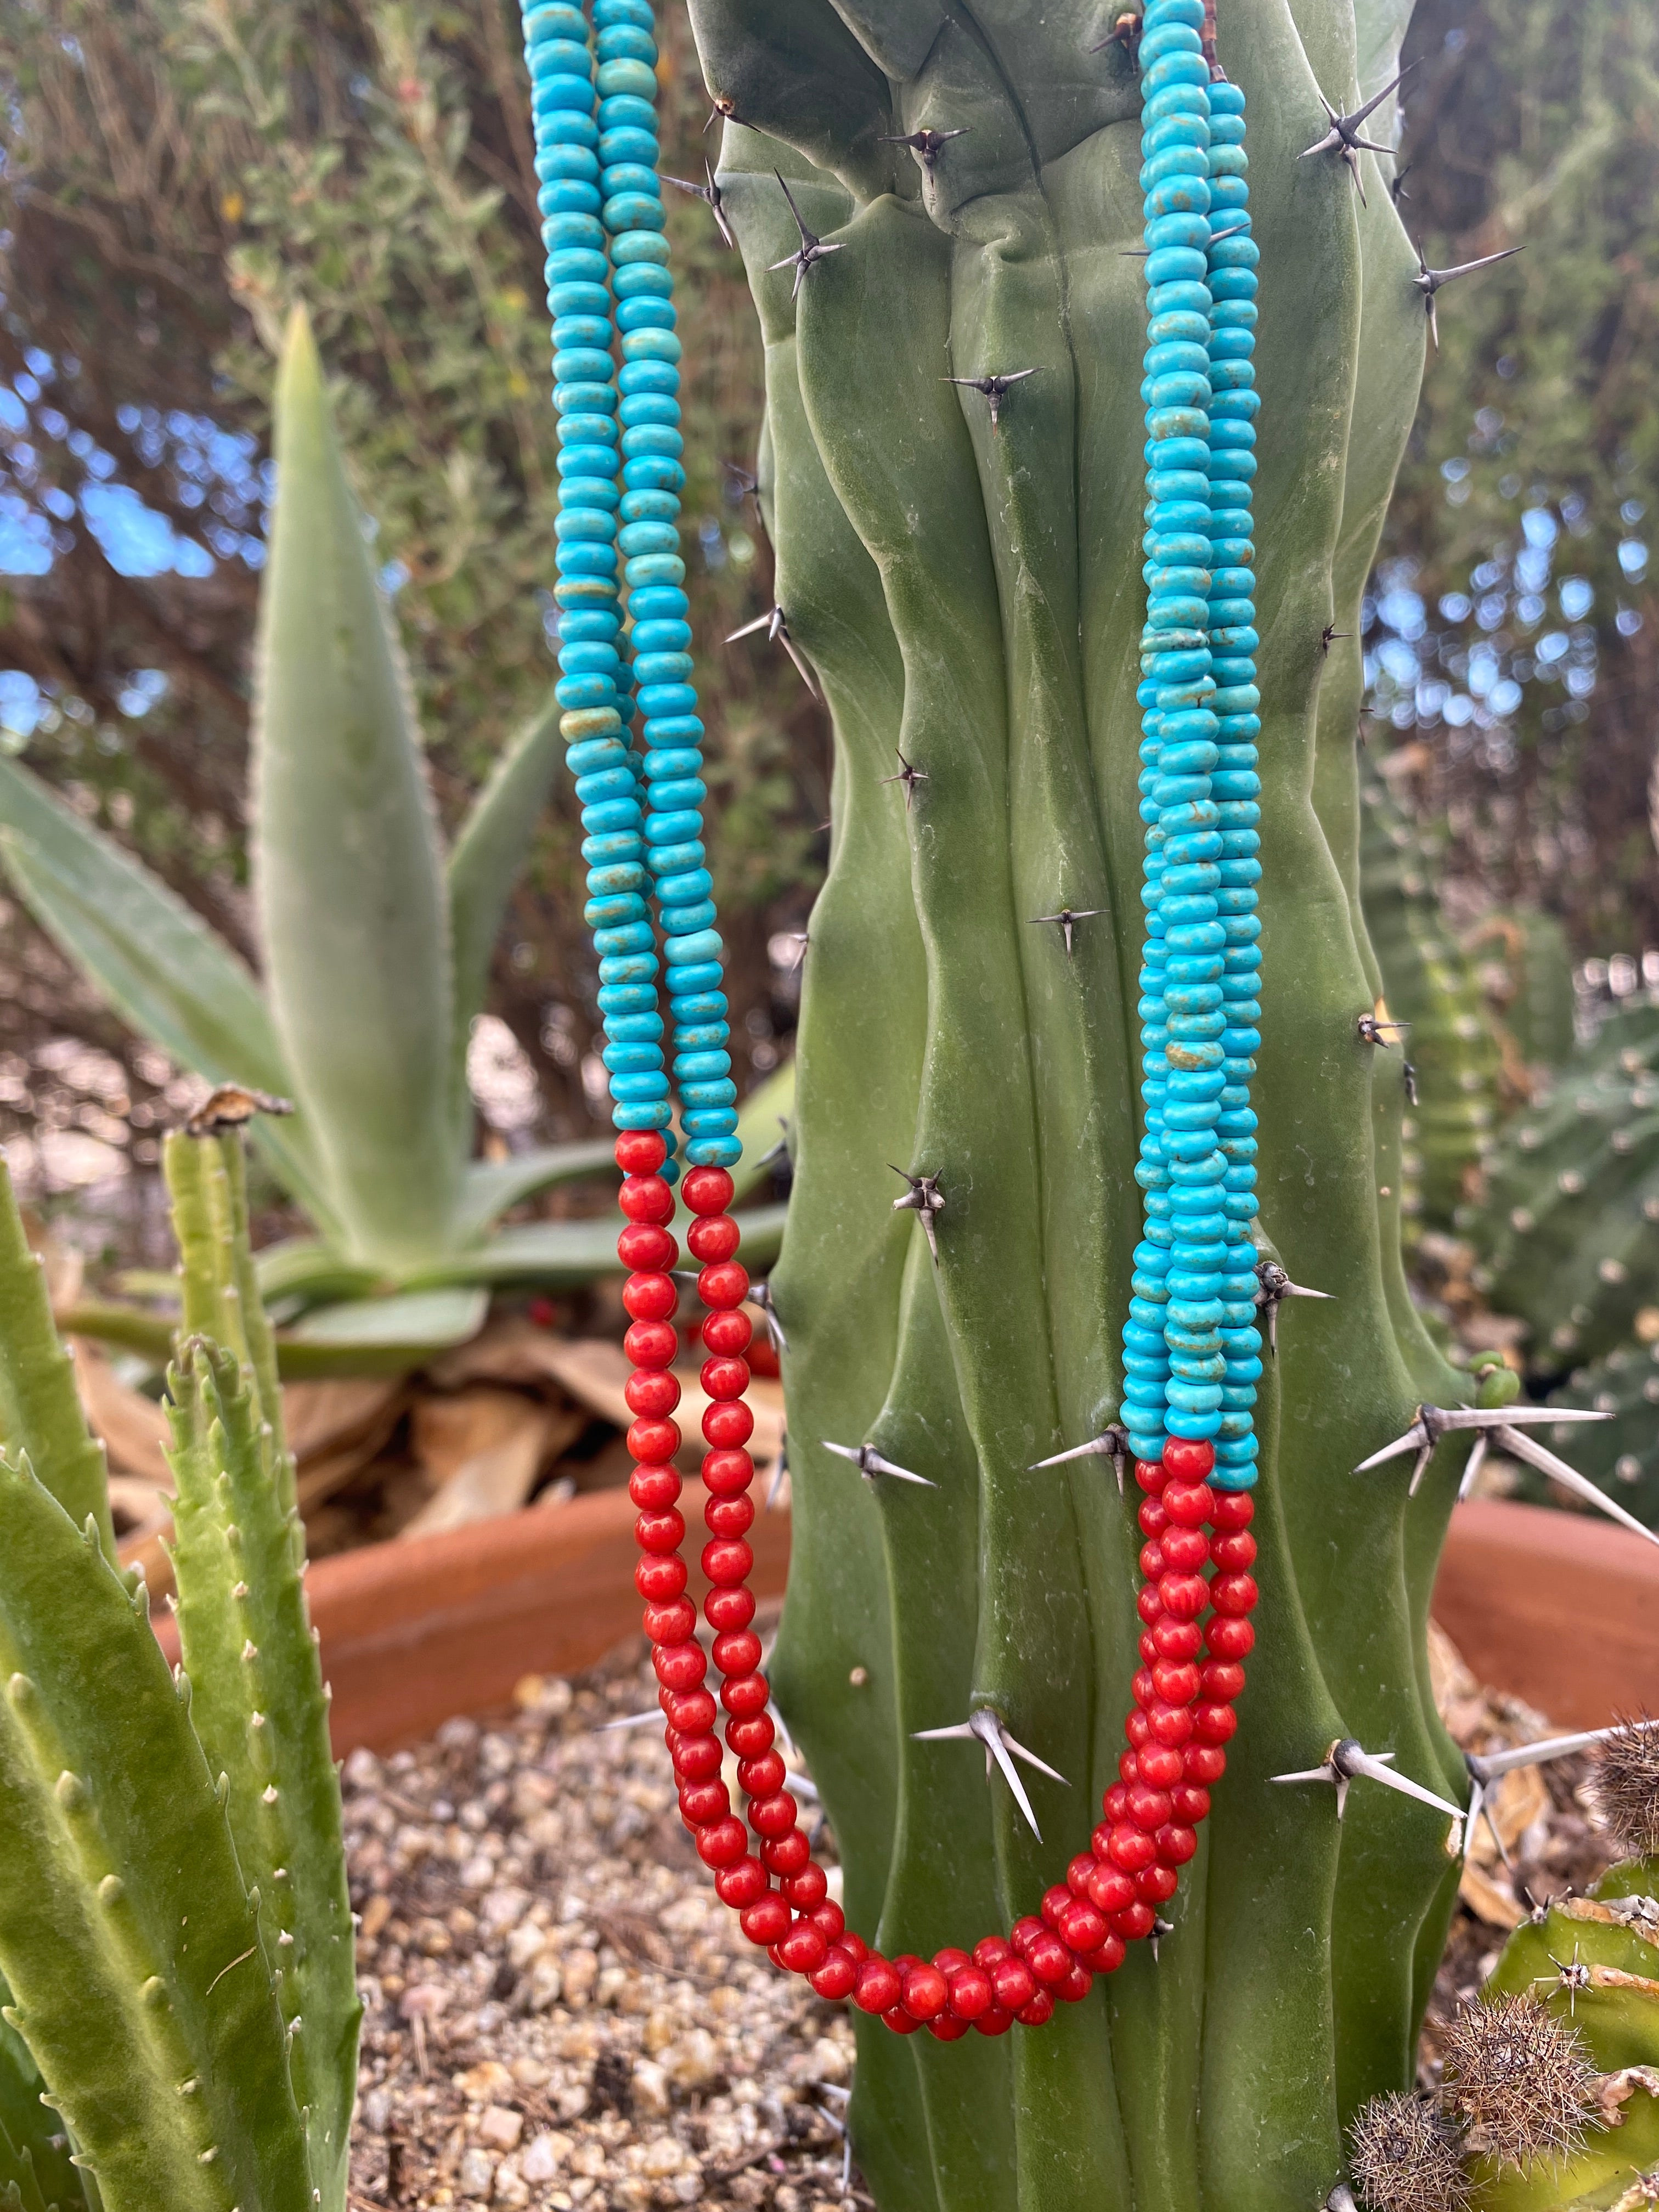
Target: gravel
(558,2011)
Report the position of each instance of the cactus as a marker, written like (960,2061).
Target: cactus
(175,1933)
(1622,1455)
(375,947)
(1428,982)
(1550,2096)
(1526,974)
(1566,1229)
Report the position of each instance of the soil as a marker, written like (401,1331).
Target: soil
(559,2012)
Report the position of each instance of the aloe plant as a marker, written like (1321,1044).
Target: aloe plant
(939,211)
(176,1943)
(374,945)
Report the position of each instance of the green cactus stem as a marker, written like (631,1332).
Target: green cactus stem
(968,594)
(175,1933)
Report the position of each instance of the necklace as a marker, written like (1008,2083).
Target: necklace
(1191,1343)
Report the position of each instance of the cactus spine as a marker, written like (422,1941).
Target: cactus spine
(174,1928)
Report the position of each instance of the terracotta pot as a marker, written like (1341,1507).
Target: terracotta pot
(1556,1608)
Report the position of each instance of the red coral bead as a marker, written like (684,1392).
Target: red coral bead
(737,1652)
(1184,1595)
(1176,1844)
(1138,1728)
(807,1890)
(1233,1508)
(1186,1550)
(1038,2012)
(828,1918)
(836,1977)
(772,1816)
(728,1334)
(1190,1804)
(1131,1848)
(1055,1899)
(1135,1922)
(654,1441)
(702,1803)
(723,1844)
(713,1239)
(1024,1932)
(1150,1607)
(741,1884)
(1205,1763)
(763,1923)
(660,1533)
(725,1379)
(1048,1957)
(1157,1885)
(650,1298)
(1079,1872)
(1234,1593)
(651,1343)
(1233,1553)
(641,1152)
(1081,1927)
(1111,1891)
(1214,1724)
(727,1473)
(997,2022)
(1171,1725)
(1178,1640)
(726,1561)
(693,1712)
(945,2028)
(707,1190)
(878,1987)
(925,1992)
(1229,1638)
(804,1949)
(697,1759)
(725,1284)
(728,1609)
(651,1391)
(1152,1516)
(681,1664)
(762,1776)
(900,2021)
(855,1946)
(744,1694)
(1176,1684)
(642,1245)
(990,1951)
(652,1488)
(728,1424)
(646,1198)
(1014,1984)
(1151,1475)
(1108,1957)
(1148,1808)
(1186,1458)
(729,1517)
(971,1993)
(789,1854)
(751,1738)
(1224,1679)
(1159,1764)
(659,1582)
(1075,1985)
(1152,1562)
(1188,1503)
(1142,1689)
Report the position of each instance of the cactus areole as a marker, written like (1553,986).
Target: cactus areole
(942,222)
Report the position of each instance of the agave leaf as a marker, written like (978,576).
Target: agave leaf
(763,1119)
(558,1255)
(489,1187)
(305,1268)
(483,869)
(345,851)
(154,962)
(417,1322)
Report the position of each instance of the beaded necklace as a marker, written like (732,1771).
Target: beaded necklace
(1191,1344)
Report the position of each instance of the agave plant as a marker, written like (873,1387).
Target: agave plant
(176,1948)
(374,945)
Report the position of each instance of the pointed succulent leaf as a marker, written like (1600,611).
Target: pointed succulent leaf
(207,1184)
(346,869)
(41,1410)
(490,1188)
(154,962)
(34,2150)
(416,1323)
(119,1883)
(555,1254)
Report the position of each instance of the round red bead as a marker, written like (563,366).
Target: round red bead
(727,1425)
(772,1816)
(659,1582)
(1176,1844)
(1205,1763)
(1160,1764)
(1188,1503)
(1233,1594)
(762,1776)
(713,1238)
(855,1946)
(723,1844)
(680,1665)
(729,1517)
(660,1533)
(702,1803)
(724,1284)
(643,1245)
(725,1379)
(696,1758)
(1186,1550)
(1131,1848)
(1048,1957)
(836,1977)
(651,1343)
(1138,1728)
(1229,1638)
(651,1391)
(1110,1891)
(707,1190)
(945,2028)
(804,1949)
(1151,1473)
(1074,1986)
(763,1923)
(806,1891)
(728,1609)
(1152,1516)
(652,1488)
(1014,1983)
(1148,1808)
(1171,1725)
(1176,1684)
(727,1560)
(744,1694)
(1184,1595)
(876,1989)
(646,1198)
(741,1884)
(749,1738)
(1233,1553)
(828,1918)
(692,1712)
(1224,1679)
(1135,1922)
(1150,1607)
(997,2022)
(1038,2012)
(728,1334)
(650,1298)
(1188,1460)
(789,1854)
(971,1993)
(1108,1957)
(641,1152)
(1055,1899)
(1152,1562)
(1214,1724)
(726,1473)
(900,2021)
(738,1651)
(1079,1872)
(1232,1509)
(990,1951)
(1157,1885)
(1082,1928)
(925,1992)
(1178,1640)
(1190,1804)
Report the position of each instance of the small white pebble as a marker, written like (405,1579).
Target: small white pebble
(500,2126)
(650,2087)
(544,2154)
(477,2173)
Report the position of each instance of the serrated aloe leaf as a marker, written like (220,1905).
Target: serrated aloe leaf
(119,1886)
(483,867)
(346,868)
(262,1714)
(34,2150)
(489,1188)
(154,962)
(39,1406)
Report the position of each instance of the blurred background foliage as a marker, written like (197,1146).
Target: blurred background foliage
(177,173)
